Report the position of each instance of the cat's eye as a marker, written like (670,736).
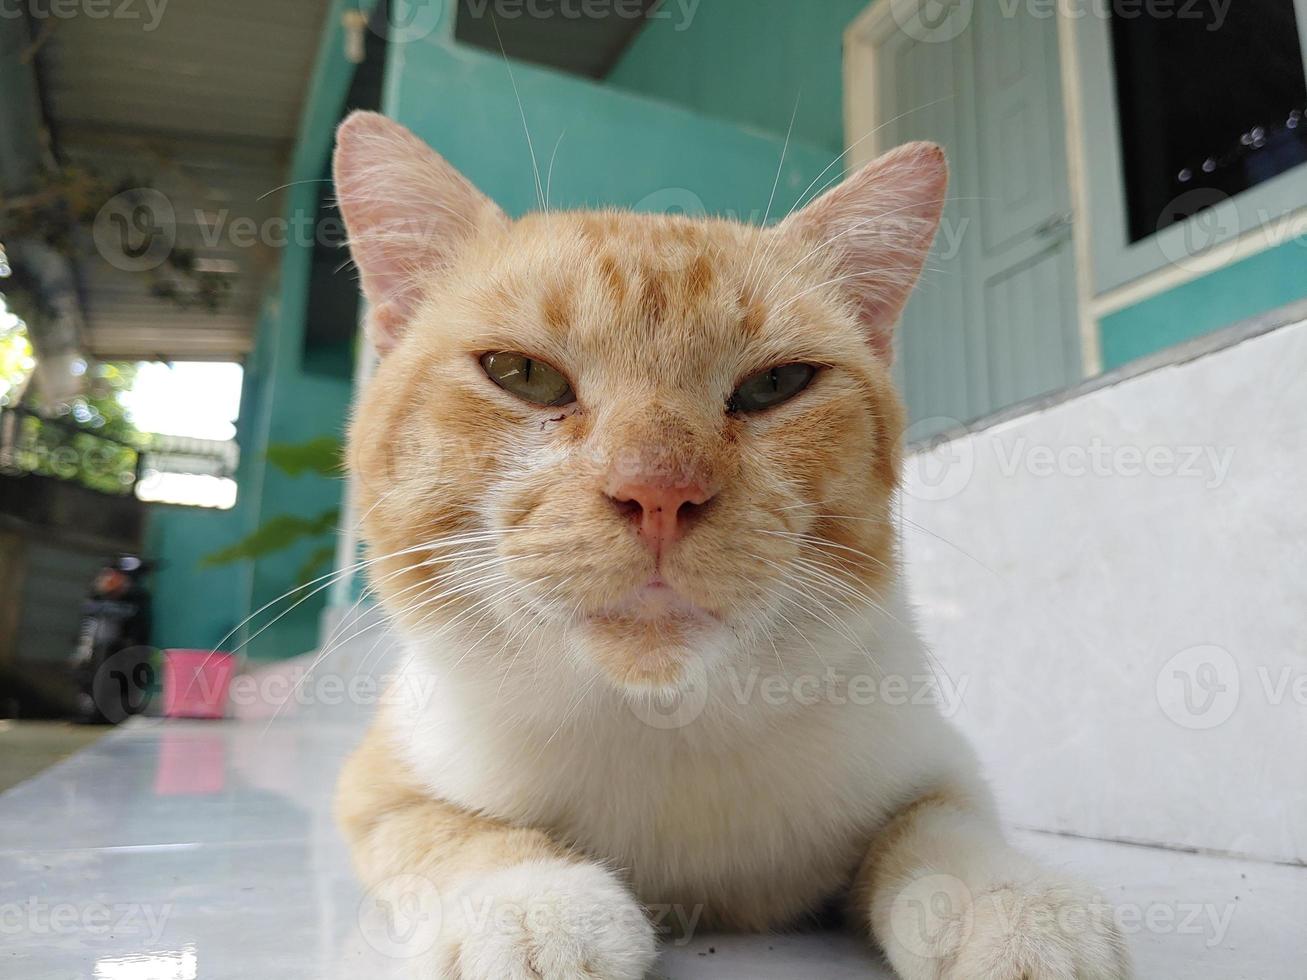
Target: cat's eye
(531,380)
(771,387)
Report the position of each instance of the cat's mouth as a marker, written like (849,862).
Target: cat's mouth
(654,602)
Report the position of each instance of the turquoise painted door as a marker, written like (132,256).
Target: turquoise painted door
(995,319)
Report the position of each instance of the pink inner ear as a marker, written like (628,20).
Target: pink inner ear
(879,224)
(408,214)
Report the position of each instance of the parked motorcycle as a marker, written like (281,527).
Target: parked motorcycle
(113,665)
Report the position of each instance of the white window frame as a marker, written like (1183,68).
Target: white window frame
(1111,272)
(1123,273)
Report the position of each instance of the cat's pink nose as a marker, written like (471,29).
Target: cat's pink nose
(660,512)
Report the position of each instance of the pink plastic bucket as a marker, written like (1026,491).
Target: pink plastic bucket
(196,682)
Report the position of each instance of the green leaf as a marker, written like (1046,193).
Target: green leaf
(275,534)
(318,561)
(322,456)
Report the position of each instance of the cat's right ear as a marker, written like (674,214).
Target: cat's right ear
(407,213)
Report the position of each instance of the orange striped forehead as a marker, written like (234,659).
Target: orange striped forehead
(663,299)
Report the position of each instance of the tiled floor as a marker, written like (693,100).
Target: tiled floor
(181,850)
(27,747)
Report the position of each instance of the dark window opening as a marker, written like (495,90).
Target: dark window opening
(331,329)
(1211,103)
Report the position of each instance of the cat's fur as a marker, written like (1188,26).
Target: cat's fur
(598,754)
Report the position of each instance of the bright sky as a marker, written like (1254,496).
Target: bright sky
(200,399)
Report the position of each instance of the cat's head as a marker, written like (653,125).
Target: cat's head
(642,439)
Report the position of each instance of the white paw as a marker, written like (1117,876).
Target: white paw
(1049,932)
(545,920)
(1041,929)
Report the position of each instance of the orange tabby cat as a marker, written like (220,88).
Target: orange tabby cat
(627,486)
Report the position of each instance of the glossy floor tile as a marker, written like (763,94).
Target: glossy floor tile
(182,850)
(27,747)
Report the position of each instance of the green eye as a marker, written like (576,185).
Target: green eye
(771,387)
(531,380)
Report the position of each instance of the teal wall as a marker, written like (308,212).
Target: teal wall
(748,61)
(617,147)
(1255,285)
(282,402)
(194,607)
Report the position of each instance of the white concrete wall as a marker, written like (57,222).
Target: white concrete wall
(1121,582)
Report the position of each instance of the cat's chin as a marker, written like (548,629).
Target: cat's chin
(652,650)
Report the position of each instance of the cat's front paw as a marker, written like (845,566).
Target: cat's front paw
(1035,930)
(545,920)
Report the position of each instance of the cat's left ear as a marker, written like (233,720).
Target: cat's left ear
(879,224)
(408,214)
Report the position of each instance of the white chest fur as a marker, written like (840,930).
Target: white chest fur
(761,798)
